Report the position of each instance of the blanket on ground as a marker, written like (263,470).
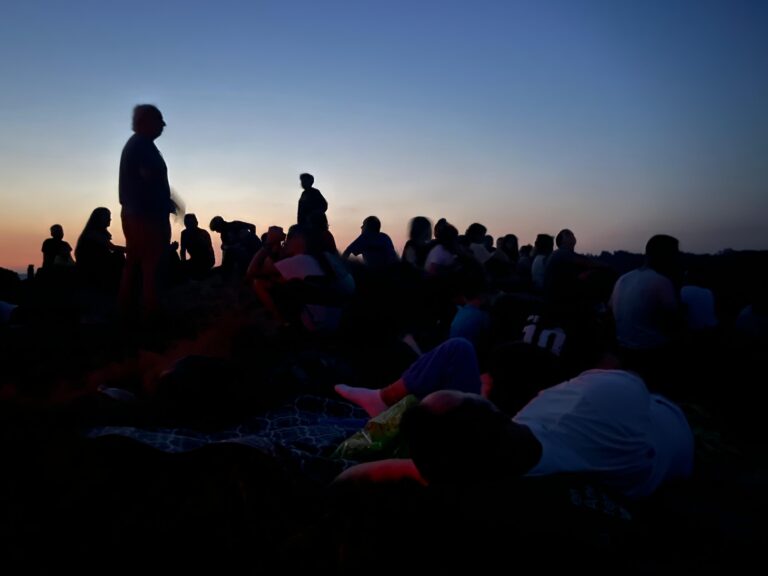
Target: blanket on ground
(302,434)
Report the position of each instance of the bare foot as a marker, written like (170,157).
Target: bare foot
(368,399)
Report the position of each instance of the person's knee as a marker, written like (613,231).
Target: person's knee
(459,348)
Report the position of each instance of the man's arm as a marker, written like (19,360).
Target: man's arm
(262,265)
(354,248)
(389,470)
(209,245)
(183,249)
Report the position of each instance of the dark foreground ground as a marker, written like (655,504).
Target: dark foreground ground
(114,505)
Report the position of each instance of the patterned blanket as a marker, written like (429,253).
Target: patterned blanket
(302,435)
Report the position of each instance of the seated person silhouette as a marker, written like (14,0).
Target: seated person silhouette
(442,255)
(565,278)
(293,283)
(196,243)
(56,252)
(542,250)
(418,245)
(647,314)
(99,262)
(475,235)
(503,262)
(374,245)
(239,243)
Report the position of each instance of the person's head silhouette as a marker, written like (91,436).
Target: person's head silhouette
(371,224)
(148,121)
(662,253)
(217,224)
(100,219)
(420,229)
(190,221)
(306,180)
(565,240)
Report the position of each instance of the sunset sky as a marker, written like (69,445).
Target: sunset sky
(617,119)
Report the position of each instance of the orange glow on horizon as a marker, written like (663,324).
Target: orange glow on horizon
(22,239)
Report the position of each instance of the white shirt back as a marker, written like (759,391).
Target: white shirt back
(643,304)
(605,422)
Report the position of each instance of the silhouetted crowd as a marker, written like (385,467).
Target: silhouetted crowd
(521,360)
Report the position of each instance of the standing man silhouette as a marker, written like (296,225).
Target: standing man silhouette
(311,202)
(145,196)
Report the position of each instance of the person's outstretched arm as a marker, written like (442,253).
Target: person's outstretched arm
(389,470)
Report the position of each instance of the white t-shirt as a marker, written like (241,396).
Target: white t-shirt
(439,256)
(699,307)
(605,422)
(643,303)
(299,266)
(537,271)
(480,252)
(315,317)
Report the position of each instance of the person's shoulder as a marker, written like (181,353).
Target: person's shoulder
(571,256)
(636,273)
(135,140)
(138,144)
(655,278)
(614,384)
(559,258)
(608,374)
(436,250)
(693,291)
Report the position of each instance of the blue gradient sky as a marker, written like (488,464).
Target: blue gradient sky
(616,119)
